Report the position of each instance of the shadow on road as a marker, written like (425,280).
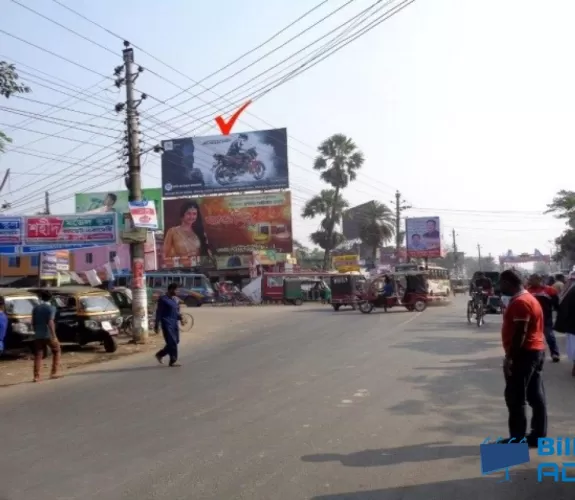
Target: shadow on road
(474,404)
(448,346)
(392,456)
(523,486)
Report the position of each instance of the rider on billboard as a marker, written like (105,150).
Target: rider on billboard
(236,150)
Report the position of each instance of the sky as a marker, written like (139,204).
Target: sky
(464,106)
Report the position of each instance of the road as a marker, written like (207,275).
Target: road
(298,403)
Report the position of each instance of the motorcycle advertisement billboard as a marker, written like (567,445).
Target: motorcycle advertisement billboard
(234,226)
(423,237)
(244,161)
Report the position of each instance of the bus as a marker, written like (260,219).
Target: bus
(437,277)
(194,289)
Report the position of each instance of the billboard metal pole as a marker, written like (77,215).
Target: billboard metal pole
(140,300)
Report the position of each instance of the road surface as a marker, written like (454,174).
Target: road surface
(285,404)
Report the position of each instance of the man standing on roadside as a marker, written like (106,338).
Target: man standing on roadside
(44,325)
(548,299)
(167,317)
(523,340)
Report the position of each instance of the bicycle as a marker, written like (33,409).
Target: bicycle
(186,324)
(476,307)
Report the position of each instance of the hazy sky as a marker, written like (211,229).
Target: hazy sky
(465,106)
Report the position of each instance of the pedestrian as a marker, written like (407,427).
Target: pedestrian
(44,325)
(523,340)
(168,318)
(3,324)
(565,321)
(548,299)
(559,283)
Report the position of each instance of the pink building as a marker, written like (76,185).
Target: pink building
(86,259)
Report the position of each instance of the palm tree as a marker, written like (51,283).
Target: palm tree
(338,161)
(377,225)
(331,209)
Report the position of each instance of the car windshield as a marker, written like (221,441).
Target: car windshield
(21,305)
(93,303)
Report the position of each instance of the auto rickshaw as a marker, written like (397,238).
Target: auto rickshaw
(85,315)
(346,290)
(122,297)
(293,292)
(316,290)
(494,304)
(19,304)
(459,286)
(410,290)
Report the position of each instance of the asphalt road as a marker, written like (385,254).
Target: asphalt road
(302,403)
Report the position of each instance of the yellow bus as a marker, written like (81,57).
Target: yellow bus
(437,277)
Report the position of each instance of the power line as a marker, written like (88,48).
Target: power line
(58,121)
(43,49)
(65,27)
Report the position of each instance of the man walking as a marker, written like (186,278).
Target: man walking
(167,317)
(548,299)
(524,345)
(44,325)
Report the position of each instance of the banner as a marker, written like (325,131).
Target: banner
(423,237)
(10,230)
(100,229)
(225,225)
(116,202)
(346,263)
(48,265)
(144,214)
(222,164)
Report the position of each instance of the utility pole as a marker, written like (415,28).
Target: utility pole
(134,185)
(455,256)
(400,206)
(47,203)
(479,255)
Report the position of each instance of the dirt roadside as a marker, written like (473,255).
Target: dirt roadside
(211,324)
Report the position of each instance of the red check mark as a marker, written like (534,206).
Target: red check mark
(226,126)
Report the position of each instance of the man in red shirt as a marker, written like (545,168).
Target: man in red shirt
(523,340)
(548,299)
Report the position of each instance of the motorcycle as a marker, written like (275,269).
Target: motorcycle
(228,168)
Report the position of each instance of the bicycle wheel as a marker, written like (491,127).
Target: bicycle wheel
(127,324)
(187,322)
(469,311)
(479,314)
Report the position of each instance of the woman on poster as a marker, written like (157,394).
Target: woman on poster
(187,241)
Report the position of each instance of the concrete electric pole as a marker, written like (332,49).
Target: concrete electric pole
(400,206)
(479,256)
(134,185)
(455,255)
(47,203)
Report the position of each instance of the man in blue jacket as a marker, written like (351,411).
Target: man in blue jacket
(168,318)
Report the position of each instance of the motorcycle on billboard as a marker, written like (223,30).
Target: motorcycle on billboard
(227,169)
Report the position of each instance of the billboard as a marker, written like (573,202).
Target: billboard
(116,201)
(223,164)
(345,263)
(225,225)
(423,237)
(351,220)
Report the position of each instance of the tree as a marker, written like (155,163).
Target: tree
(330,208)
(9,85)
(563,207)
(338,161)
(377,225)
